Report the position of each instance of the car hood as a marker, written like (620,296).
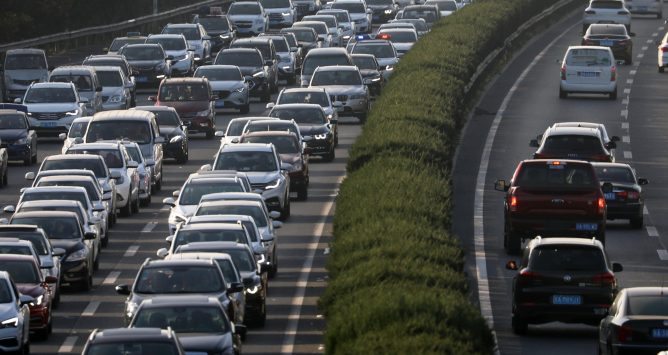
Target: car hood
(70,245)
(52,107)
(262,177)
(110,91)
(308,130)
(186,106)
(7,311)
(387,61)
(12,134)
(290,158)
(33,290)
(225,85)
(344,89)
(214,343)
(176,53)
(369,73)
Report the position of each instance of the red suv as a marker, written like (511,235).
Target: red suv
(552,198)
(192,99)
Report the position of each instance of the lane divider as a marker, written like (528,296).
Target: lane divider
(132,250)
(111,278)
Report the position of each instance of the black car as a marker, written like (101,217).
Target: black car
(383,10)
(173,130)
(562,279)
(199,321)
(319,132)
(133,341)
(219,28)
(369,69)
(149,62)
(610,35)
(625,201)
(269,56)
(307,38)
(17,137)
(252,66)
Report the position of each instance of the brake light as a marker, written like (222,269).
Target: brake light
(563,72)
(605,279)
(633,195)
(601,205)
(528,275)
(384,36)
(625,334)
(664,49)
(613,73)
(513,203)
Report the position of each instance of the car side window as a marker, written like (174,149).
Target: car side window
(16,293)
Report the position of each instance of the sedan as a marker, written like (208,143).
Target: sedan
(173,130)
(613,36)
(14,317)
(16,135)
(626,200)
(116,88)
(228,84)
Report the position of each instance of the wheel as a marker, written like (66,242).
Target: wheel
(512,243)
(274,267)
(285,211)
(87,284)
(613,95)
(636,223)
(135,205)
(562,94)
(245,108)
(158,183)
(302,193)
(520,326)
(660,68)
(127,210)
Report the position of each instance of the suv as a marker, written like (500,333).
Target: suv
(116,88)
(606,11)
(383,50)
(582,143)
(173,131)
(346,88)
(198,40)
(252,66)
(645,7)
(147,340)
(149,62)
(248,17)
(559,197)
(324,37)
(193,100)
(588,69)
(359,14)
(281,13)
(176,46)
(219,28)
(115,60)
(566,280)
(23,67)
(52,106)
(85,80)
(383,10)
(15,134)
(269,56)
(287,59)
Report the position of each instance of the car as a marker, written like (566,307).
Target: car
(419,24)
(295,50)
(144,171)
(25,272)
(172,130)
(281,13)
(77,130)
(86,81)
(254,276)
(662,51)
(248,17)
(269,56)
(183,202)
(64,231)
(116,88)
(345,23)
(274,125)
(134,125)
(119,42)
(219,28)
(625,201)
(394,25)
(445,7)
(197,37)
(359,13)
(228,84)
(243,177)
(15,246)
(613,36)
(149,63)
(291,152)
(588,69)
(319,132)
(21,68)
(384,51)
(345,85)
(332,27)
(383,10)
(15,315)
(644,7)
(573,143)
(321,28)
(307,7)
(635,323)
(562,279)
(402,39)
(607,139)
(370,71)
(263,166)
(536,196)
(606,11)
(144,341)
(175,45)
(193,100)
(19,140)
(308,96)
(119,61)
(252,66)
(429,13)
(307,38)
(170,278)
(205,232)
(235,128)
(287,62)
(52,107)
(322,57)
(200,323)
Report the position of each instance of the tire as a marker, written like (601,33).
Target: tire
(520,326)
(158,183)
(302,193)
(636,223)
(562,94)
(28,161)
(512,243)
(613,95)
(245,109)
(87,284)
(285,211)
(661,69)
(127,210)
(135,205)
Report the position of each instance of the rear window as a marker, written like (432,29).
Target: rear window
(588,57)
(35,238)
(544,175)
(567,258)
(576,143)
(95,166)
(241,59)
(312,62)
(318,98)
(614,174)
(606,5)
(169,44)
(648,305)
(607,30)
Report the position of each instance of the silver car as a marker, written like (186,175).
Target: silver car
(346,25)
(21,68)
(198,40)
(77,130)
(345,85)
(52,106)
(321,28)
(383,50)
(248,17)
(14,317)
(281,13)
(85,80)
(116,88)
(402,39)
(176,46)
(228,84)
(332,27)
(143,170)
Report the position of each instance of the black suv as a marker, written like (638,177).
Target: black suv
(141,340)
(566,280)
(269,56)
(252,66)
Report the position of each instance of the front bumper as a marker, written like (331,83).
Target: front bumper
(234,99)
(149,77)
(321,146)
(39,317)
(49,127)
(74,271)
(107,106)
(353,107)
(18,151)
(9,340)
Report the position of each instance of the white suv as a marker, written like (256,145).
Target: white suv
(606,11)
(588,69)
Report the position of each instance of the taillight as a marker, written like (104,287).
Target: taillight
(633,195)
(563,72)
(526,275)
(664,49)
(625,334)
(513,203)
(613,73)
(601,205)
(604,279)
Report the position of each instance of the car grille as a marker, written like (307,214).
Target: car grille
(222,94)
(275,16)
(48,115)
(24,82)
(342,98)
(243,24)
(258,186)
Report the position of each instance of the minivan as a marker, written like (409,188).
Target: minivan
(23,67)
(588,69)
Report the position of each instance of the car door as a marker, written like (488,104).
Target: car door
(157,147)
(32,136)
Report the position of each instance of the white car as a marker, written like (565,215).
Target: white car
(588,69)
(235,129)
(143,170)
(77,130)
(52,106)
(662,51)
(445,7)
(644,7)
(606,11)
(198,40)
(346,24)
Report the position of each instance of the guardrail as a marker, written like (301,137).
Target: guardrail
(90,35)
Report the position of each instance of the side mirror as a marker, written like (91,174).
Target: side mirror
(123,289)
(606,187)
(18,100)
(235,287)
(277,224)
(175,193)
(169,202)
(610,145)
(29,176)
(643,181)
(25,299)
(151,98)
(9,209)
(501,185)
(270,106)
(149,162)
(78,140)
(274,214)
(59,252)
(159,140)
(206,167)
(162,253)
(133,164)
(62,136)
(89,236)
(511,265)
(115,174)
(169,239)
(219,134)
(617,267)
(534,143)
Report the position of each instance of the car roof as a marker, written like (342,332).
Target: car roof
(218,66)
(129,334)
(187,80)
(240,49)
(195,255)
(544,161)
(646,291)
(73,157)
(311,89)
(25,51)
(46,214)
(153,108)
(270,134)
(399,29)
(231,202)
(106,68)
(165,35)
(163,263)
(588,47)
(577,124)
(311,22)
(181,25)
(359,55)
(298,106)
(54,188)
(11,112)
(214,245)
(538,241)
(217,218)
(18,257)
(234,195)
(259,147)
(123,115)
(581,131)
(252,40)
(95,145)
(327,51)
(144,45)
(256,118)
(18,228)
(337,68)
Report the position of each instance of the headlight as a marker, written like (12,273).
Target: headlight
(176,139)
(203,113)
(116,99)
(10,323)
(320,136)
(70,113)
(22,141)
(285,13)
(259,74)
(130,309)
(389,68)
(253,290)
(38,301)
(273,185)
(287,67)
(388,11)
(78,255)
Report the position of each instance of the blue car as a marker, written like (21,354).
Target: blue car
(16,136)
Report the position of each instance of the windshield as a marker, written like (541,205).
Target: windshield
(25,61)
(305,116)
(588,57)
(214,24)
(190,33)
(12,121)
(615,174)
(22,272)
(184,92)
(95,166)
(443,5)
(264,48)
(76,209)
(5,292)
(194,191)
(49,95)
(572,144)
(246,210)
(166,118)
(608,30)
(135,131)
(120,42)
(272,4)
(281,45)
(88,185)
(15,249)
(82,82)
(227,266)
(340,16)
(134,153)
(38,242)
(648,305)
(284,145)
(219,74)
(112,157)
(55,195)
(179,279)
(169,44)
(305,35)
(273,126)
(341,77)
(318,98)
(133,347)
(110,78)
(401,36)
(378,50)
(247,161)
(220,235)
(243,260)
(428,15)
(562,176)
(312,62)
(77,129)
(554,258)
(54,227)
(244,9)
(240,59)
(235,127)
(137,53)
(365,63)
(319,28)
(183,319)
(380,2)
(353,8)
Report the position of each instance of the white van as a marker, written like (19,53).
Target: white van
(588,69)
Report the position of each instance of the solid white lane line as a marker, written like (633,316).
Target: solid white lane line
(651,231)
(626,139)
(663,254)
(90,309)
(645,210)
(132,250)
(111,278)
(68,344)
(625,125)
(298,299)
(628,155)
(148,228)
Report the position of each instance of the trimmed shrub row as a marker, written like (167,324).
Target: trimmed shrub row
(396,273)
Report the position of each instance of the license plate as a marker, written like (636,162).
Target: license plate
(660,333)
(570,300)
(588,74)
(610,196)
(48,124)
(220,103)
(141,79)
(586,226)
(606,42)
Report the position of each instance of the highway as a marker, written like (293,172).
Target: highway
(521,103)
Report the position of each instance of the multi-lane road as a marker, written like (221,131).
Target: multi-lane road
(520,104)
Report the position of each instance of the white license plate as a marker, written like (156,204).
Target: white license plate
(570,300)
(586,226)
(660,333)
(610,196)
(48,124)
(607,42)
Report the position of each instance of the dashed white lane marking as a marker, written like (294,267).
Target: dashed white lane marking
(629,81)
(644,48)
(628,155)
(663,254)
(90,309)
(148,228)
(625,101)
(644,210)
(651,231)
(655,34)
(164,209)
(625,125)
(626,139)
(640,55)
(662,28)
(68,344)
(633,72)
(624,113)
(132,250)
(627,91)
(650,40)
(111,278)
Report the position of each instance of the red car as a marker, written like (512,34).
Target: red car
(25,272)
(582,143)
(553,198)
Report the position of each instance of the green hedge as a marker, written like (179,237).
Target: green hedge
(396,272)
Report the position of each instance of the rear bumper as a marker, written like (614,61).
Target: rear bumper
(589,88)
(624,210)
(544,313)
(549,226)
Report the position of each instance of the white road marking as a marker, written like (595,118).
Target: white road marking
(627,91)
(326,252)
(132,251)
(111,278)
(165,209)
(148,228)
(644,48)
(625,101)
(629,81)
(298,299)
(625,125)
(644,210)
(655,34)
(90,309)
(663,254)
(640,55)
(651,231)
(650,40)
(633,72)
(628,155)
(68,344)
(626,139)
(662,28)
(625,113)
